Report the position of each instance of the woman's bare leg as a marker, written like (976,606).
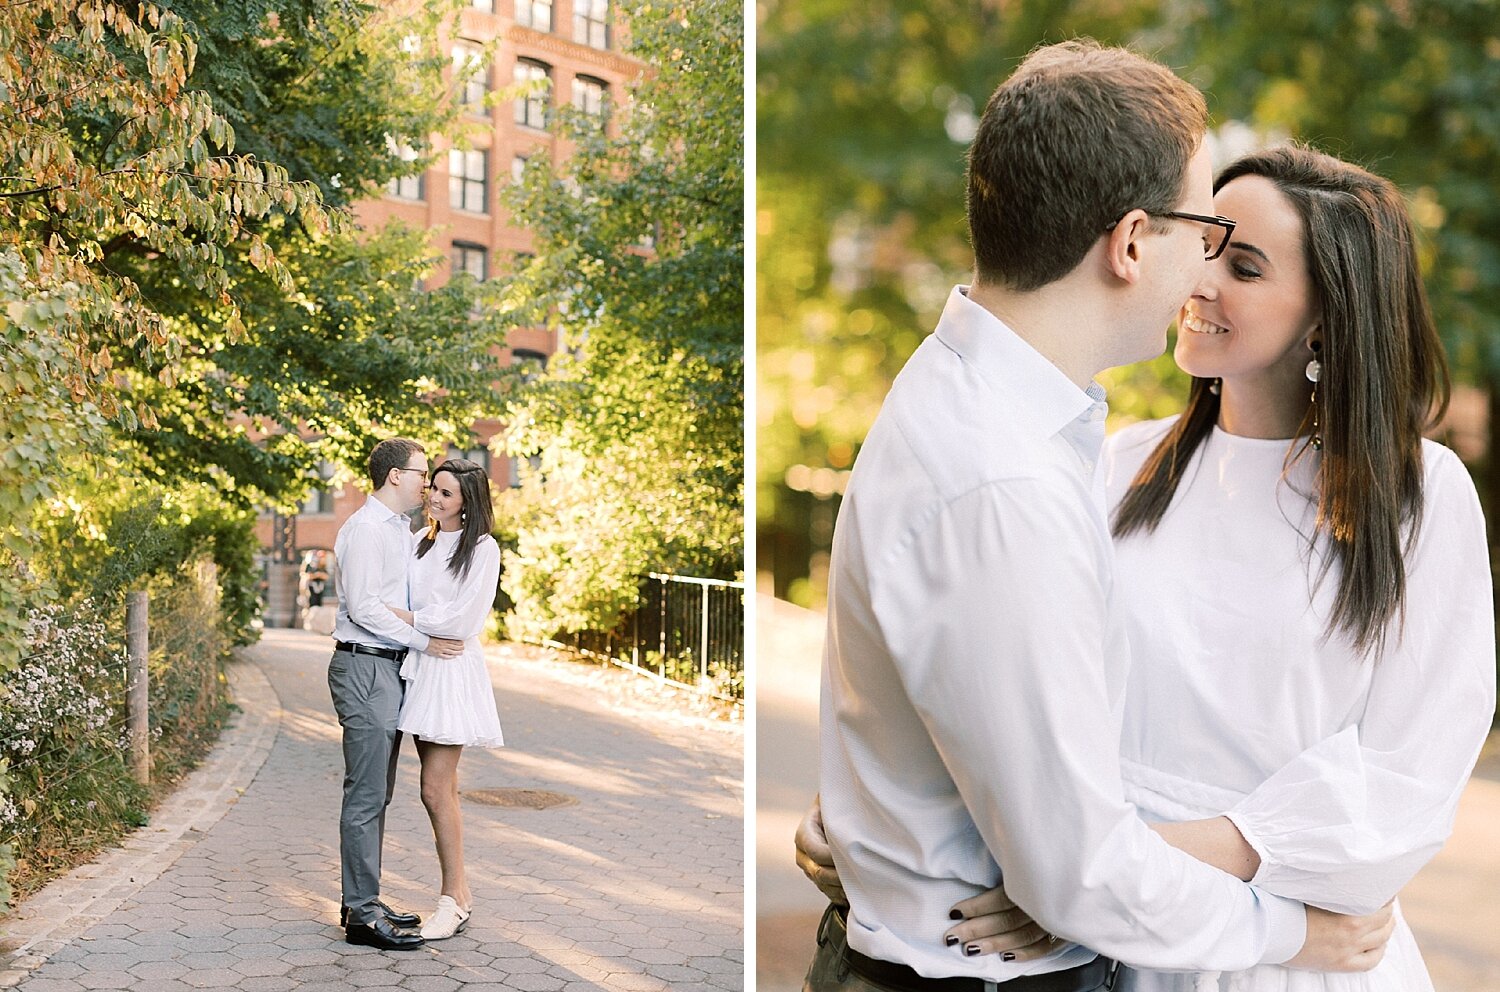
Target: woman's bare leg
(440,796)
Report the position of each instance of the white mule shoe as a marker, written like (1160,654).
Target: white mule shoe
(446,921)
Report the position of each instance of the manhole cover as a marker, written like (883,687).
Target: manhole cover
(520,798)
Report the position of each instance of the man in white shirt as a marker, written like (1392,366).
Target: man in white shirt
(373,552)
(975,659)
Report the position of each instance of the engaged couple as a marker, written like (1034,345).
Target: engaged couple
(408,661)
(1184,709)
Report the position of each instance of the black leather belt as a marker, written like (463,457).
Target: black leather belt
(1097,974)
(392,653)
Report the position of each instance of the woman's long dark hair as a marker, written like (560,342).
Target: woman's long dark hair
(1384,381)
(478,513)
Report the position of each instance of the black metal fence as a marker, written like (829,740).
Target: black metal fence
(685,630)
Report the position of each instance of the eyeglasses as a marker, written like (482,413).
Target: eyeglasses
(1214,242)
(422,470)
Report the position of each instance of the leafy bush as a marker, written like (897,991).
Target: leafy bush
(64,754)
(70,789)
(104,537)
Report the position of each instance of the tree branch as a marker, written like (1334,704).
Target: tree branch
(51,99)
(28,192)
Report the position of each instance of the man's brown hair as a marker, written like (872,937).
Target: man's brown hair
(393,452)
(1078,136)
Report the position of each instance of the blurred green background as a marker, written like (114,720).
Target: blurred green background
(864,114)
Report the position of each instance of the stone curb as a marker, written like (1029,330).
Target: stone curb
(65,908)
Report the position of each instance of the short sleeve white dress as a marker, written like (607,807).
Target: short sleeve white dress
(1343,773)
(451,700)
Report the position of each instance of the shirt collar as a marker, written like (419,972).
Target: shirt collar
(1042,397)
(380,511)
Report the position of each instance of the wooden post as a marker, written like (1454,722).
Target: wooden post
(137,686)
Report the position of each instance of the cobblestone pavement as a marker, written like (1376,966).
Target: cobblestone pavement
(636,886)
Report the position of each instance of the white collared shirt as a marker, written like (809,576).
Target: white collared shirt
(373,552)
(973,680)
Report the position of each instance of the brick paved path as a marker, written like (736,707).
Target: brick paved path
(636,887)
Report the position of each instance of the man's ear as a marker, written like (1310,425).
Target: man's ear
(1122,252)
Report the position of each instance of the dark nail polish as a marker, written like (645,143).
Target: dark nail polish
(954,914)
(1007,956)
(971,949)
(951,940)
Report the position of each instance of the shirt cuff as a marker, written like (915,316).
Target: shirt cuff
(1286,927)
(1253,838)
(416,640)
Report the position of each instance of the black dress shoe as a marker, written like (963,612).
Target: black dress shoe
(382,935)
(399,919)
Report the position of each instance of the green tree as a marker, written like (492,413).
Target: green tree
(163,173)
(330,91)
(1413,95)
(360,351)
(638,426)
(327,89)
(101,138)
(861,230)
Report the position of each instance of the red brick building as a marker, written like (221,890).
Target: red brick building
(571,49)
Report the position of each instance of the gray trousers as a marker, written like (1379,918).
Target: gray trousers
(829,971)
(366,692)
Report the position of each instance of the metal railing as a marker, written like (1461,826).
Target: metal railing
(685,631)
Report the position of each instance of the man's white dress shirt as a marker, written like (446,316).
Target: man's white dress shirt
(973,678)
(373,552)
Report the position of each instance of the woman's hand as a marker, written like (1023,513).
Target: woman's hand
(992,924)
(405,616)
(1344,943)
(815,857)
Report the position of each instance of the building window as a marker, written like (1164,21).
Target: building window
(319,502)
(518,261)
(591,23)
(531,107)
(513,469)
(322,497)
(405,187)
(518,169)
(479,456)
(648,240)
(488,5)
(471,258)
(534,14)
(532,363)
(472,76)
(590,95)
(467,180)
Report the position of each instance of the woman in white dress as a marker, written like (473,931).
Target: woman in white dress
(449,702)
(1305,578)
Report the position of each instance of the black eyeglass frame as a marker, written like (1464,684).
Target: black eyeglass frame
(1217,221)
